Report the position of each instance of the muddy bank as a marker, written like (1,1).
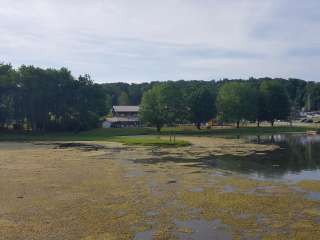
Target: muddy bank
(202,148)
(72,193)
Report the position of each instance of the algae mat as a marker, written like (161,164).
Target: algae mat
(51,191)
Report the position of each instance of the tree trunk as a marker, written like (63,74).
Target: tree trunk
(258,123)
(238,124)
(158,128)
(198,126)
(272,123)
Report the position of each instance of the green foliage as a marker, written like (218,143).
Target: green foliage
(8,84)
(275,101)
(123,99)
(163,104)
(301,93)
(48,99)
(296,90)
(150,109)
(39,99)
(201,105)
(312,96)
(151,141)
(237,101)
(172,103)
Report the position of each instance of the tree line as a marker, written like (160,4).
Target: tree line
(38,99)
(233,101)
(302,94)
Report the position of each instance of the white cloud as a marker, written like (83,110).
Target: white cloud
(144,40)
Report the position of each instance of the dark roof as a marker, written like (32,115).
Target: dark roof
(126,108)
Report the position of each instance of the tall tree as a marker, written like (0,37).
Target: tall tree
(49,99)
(8,91)
(276,101)
(150,110)
(201,105)
(312,96)
(237,101)
(163,104)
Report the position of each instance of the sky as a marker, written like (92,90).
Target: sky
(149,40)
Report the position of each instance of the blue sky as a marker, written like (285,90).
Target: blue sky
(148,40)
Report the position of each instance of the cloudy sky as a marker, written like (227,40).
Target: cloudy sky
(147,40)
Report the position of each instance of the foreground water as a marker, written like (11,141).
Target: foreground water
(298,158)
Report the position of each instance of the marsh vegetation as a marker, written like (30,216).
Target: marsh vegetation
(107,190)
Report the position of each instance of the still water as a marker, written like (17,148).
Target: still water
(298,158)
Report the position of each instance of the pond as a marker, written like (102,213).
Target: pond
(297,159)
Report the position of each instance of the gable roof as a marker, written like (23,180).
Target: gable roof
(126,108)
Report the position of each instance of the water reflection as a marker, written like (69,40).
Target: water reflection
(298,158)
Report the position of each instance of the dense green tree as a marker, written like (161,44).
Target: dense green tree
(89,103)
(163,104)
(312,96)
(201,105)
(123,99)
(261,114)
(275,100)
(172,101)
(8,90)
(52,99)
(296,90)
(150,110)
(48,99)
(237,101)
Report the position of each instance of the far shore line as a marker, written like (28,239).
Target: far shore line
(113,134)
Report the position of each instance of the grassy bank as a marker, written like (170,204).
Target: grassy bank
(151,141)
(229,130)
(109,134)
(92,135)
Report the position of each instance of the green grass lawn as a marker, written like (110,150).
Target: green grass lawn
(237,131)
(151,141)
(92,135)
(112,133)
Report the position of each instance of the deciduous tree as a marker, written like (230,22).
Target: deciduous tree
(163,104)
(237,101)
(275,100)
(201,105)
